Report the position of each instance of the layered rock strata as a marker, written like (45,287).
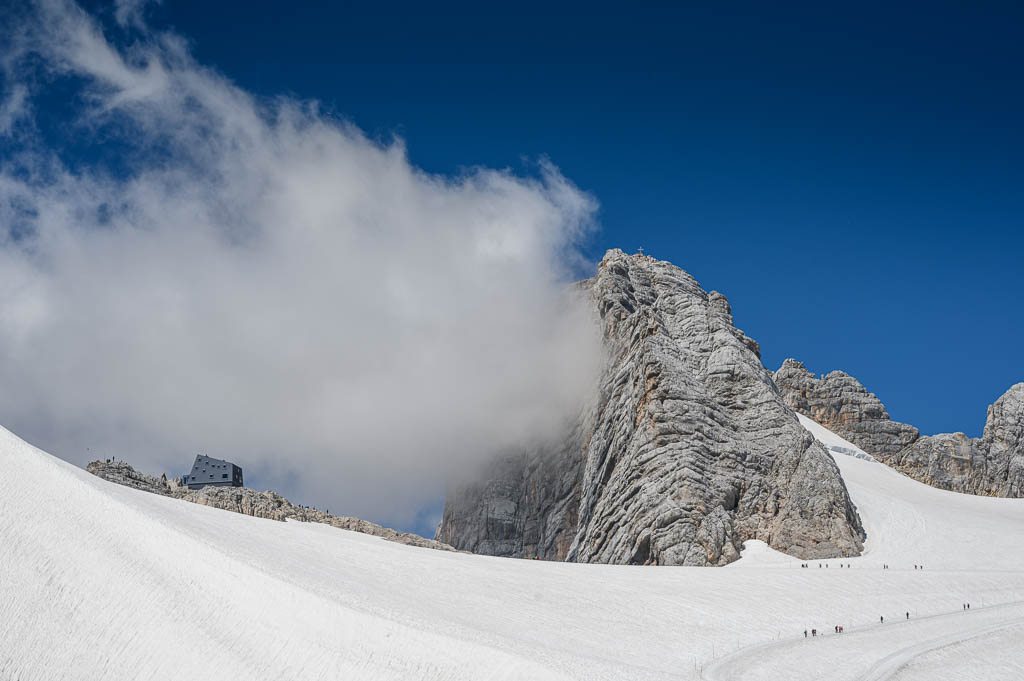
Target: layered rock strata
(250,502)
(992,465)
(686,450)
(840,403)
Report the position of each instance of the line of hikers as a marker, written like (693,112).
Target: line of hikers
(814,632)
(885,566)
(881,620)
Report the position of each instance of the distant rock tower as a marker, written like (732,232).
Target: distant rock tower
(207,471)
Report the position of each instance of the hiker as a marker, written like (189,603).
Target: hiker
(840,628)
(881,619)
(908,615)
(836,628)
(968,606)
(805,633)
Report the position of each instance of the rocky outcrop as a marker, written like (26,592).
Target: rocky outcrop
(272,505)
(1003,440)
(840,403)
(686,450)
(250,502)
(121,473)
(992,465)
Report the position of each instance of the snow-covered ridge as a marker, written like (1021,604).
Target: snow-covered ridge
(102,581)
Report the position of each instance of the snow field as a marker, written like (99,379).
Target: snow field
(102,581)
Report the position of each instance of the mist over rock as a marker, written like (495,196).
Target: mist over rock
(686,450)
(992,465)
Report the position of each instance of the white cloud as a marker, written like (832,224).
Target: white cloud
(270,286)
(130,12)
(13,108)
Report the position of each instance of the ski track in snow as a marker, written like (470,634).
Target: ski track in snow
(99,581)
(850,655)
(890,665)
(946,663)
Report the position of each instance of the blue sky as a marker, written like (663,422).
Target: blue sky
(851,178)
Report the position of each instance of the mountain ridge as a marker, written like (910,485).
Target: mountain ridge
(247,501)
(992,465)
(685,451)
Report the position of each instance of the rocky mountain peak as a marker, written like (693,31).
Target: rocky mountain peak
(687,450)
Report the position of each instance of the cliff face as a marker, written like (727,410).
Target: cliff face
(992,465)
(247,501)
(840,403)
(687,450)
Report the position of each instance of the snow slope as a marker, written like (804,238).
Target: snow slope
(101,581)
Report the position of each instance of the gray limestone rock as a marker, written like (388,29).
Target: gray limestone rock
(1004,441)
(250,502)
(840,403)
(121,473)
(685,451)
(992,465)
